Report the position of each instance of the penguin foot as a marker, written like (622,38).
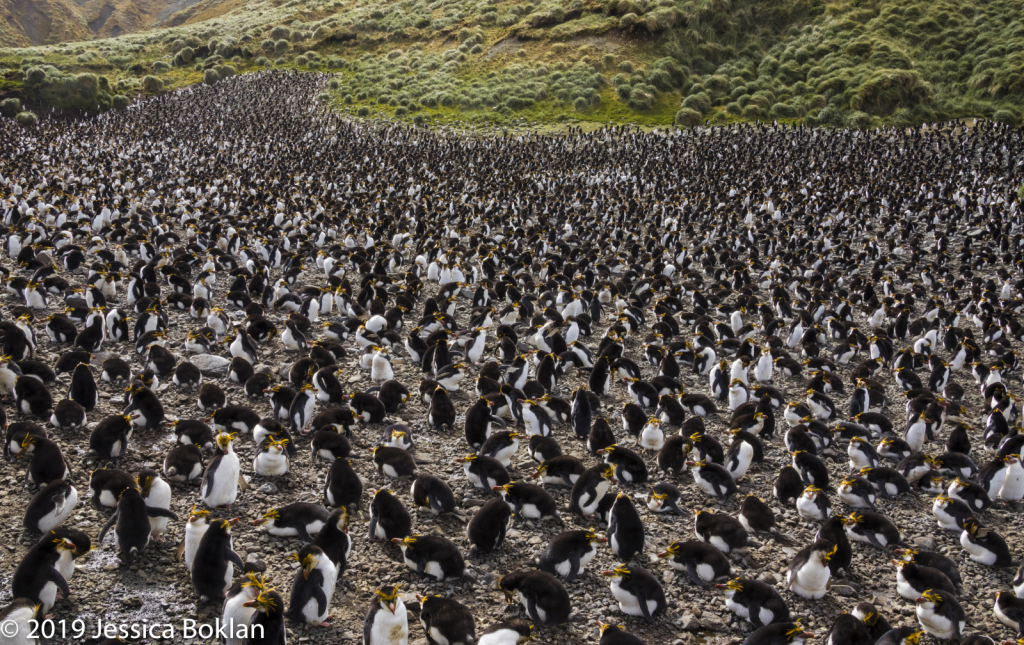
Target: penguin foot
(324,624)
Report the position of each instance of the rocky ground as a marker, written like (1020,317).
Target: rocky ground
(157,589)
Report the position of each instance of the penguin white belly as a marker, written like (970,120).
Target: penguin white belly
(811,580)
(309,610)
(390,629)
(740,610)
(65,565)
(197,470)
(705,572)
(48,596)
(703,484)
(239,426)
(719,543)
(505,454)
(234,615)
(192,539)
(1018,589)
(530,511)
(438,637)
(892,489)
(19,619)
(945,520)
(268,465)
(935,624)
(652,438)
(903,588)
(107,498)
(380,532)
(389,470)
(1013,485)
(1003,618)
(977,552)
(766,615)
(434,569)
(629,604)
(743,461)
(543,615)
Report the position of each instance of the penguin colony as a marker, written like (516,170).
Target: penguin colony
(482,390)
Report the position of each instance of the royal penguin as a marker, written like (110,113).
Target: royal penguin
(298,519)
(940,615)
(37,577)
(389,518)
(446,621)
(214,561)
(300,412)
(312,587)
(778,634)
(702,562)
(1009,610)
(857,492)
(69,416)
(20,617)
(813,505)
(514,631)
(484,472)
(568,553)
(629,466)
(183,463)
(83,387)
(109,439)
(712,478)
(393,462)
(722,531)
(757,517)
(788,485)
(625,529)
(951,514)
(267,619)
(502,445)
(223,475)
(478,423)
(904,636)
(562,470)
(46,461)
(342,487)
(809,571)
(529,501)
(131,523)
(50,506)
(157,494)
(638,592)
(235,615)
(985,546)
(31,397)
(432,556)
(664,498)
(334,540)
(755,601)
(441,411)
(433,494)
(912,579)
(146,404)
(271,458)
(387,620)
(541,448)
(329,443)
(486,529)
(874,622)
(874,529)
(542,595)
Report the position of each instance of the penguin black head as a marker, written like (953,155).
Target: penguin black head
(388,597)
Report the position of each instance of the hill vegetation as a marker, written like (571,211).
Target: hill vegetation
(856,63)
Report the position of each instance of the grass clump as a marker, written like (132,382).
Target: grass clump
(27,119)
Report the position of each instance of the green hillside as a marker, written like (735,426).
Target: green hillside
(607,61)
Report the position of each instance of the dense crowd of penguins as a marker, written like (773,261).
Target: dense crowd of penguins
(765,299)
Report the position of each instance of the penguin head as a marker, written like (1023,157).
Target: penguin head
(268,518)
(913,639)
(388,597)
(593,537)
(198,517)
(930,599)
(145,480)
(307,557)
(796,634)
(224,440)
(259,584)
(609,473)
(60,544)
(620,572)
(269,601)
(407,542)
(671,550)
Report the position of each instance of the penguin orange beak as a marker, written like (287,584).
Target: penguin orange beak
(607,573)
(716,586)
(257,522)
(233,521)
(251,603)
(601,540)
(398,540)
(497,489)
(663,554)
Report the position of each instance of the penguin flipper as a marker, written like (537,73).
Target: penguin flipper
(873,539)
(58,579)
(498,421)
(373,529)
(110,523)
(568,482)
(574,568)
(754,614)
(180,552)
(234,558)
(303,533)
(242,484)
(317,591)
(678,511)
(160,512)
(691,573)
(531,609)
(642,598)
(434,502)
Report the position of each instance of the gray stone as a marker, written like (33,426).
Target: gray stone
(210,365)
(689,623)
(925,542)
(268,489)
(843,590)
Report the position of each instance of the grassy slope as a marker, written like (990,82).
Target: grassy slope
(854,62)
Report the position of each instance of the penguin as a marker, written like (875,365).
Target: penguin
(132,520)
(300,412)
(940,615)
(47,463)
(912,580)
(312,587)
(809,571)
(109,439)
(387,620)
(214,562)
(393,462)
(301,519)
(192,432)
(333,539)
(446,621)
(31,397)
(238,419)
(502,446)
(508,632)
(664,498)
(756,517)
(157,494)
(83,388)
(222,477)
(813,505)
(486,529)
(562,470)
(875,623)
(951,514)
(542,595)
(37,577)
(933,560)
(713,479)
(581,414)
(874,529)
(629,466)
(147,404)
(778,634)
(21,616)
(702,562)
(528,501)
(812,469)
(329,443)
(105,486)
(267,619)
(441,411)
(1009,610)
(638,592)
(542,449)
(235,615)
(68,416)
(788,485)
(389,519)
(984,546)
(848,629)
(433,494)
(568,553)
(625,529)
(478,423)
(342,487)
(590,489)
(49,507)
(901,636)
(433,556)
(722,531)
(183,463)
(271,458)
(857,492)
(754,601)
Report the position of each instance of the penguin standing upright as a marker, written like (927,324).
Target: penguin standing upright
(581,414)
(235,615)
(809,572)
(213,565)
(638,592)
(20,617)
(486,530)
(615,635)
(312,587)
(545,599)
(625,529)
(132,525)
(83,387)
(387,621)
(157,494)
(37,577)
(221,479)
(388,517)
(266,627)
